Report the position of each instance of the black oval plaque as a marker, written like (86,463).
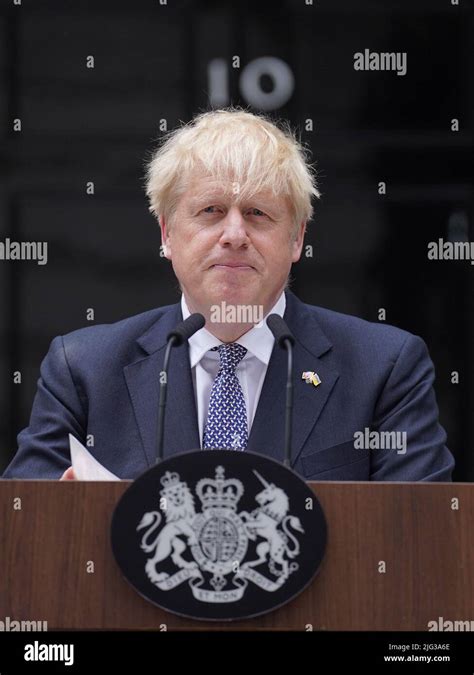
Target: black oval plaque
(219,534)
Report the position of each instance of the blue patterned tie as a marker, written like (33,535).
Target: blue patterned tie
(227,415)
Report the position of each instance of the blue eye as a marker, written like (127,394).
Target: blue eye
(260,213)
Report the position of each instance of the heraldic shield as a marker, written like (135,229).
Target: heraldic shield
(219,534)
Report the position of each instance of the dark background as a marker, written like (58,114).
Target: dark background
(151,64)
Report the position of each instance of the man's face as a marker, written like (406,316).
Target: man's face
(225,249)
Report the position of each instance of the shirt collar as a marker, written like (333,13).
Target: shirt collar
(258,340)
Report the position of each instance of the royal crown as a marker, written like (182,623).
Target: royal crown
(221,492)
(169,479)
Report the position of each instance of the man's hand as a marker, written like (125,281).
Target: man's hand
(68,474)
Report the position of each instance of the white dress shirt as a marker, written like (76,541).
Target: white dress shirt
(250,372)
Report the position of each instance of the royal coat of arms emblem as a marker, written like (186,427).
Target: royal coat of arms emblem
(219,534)
(217,538)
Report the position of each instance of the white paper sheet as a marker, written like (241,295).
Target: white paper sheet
(85,466)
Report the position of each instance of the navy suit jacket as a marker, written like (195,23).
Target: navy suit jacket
(101,384)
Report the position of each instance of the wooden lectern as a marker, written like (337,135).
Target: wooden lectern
(398,556)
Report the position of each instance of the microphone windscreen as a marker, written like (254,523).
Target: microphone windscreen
(280,330)
(183,331)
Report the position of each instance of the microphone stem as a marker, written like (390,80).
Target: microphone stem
(162,402)
(289,405)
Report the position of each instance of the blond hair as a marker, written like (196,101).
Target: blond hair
(250,150)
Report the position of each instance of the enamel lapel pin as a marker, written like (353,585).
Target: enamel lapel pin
(311,378)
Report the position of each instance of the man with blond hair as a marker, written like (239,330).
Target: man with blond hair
(233,193)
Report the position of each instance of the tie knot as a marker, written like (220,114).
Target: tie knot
(231,354)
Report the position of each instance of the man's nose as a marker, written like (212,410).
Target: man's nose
(234,229)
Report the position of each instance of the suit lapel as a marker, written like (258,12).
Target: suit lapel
(143,379)
(267,433)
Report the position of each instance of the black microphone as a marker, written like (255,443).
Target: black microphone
(181,333)
(285,340)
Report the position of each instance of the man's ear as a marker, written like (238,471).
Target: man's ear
(165,239)
(298,240)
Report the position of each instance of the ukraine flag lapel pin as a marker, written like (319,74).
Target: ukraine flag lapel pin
(311,378)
